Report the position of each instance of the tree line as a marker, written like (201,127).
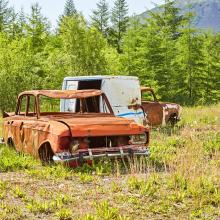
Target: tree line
(180,62)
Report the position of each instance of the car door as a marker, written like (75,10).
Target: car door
(152,108)
(29,132)
(16,123)
(22,131)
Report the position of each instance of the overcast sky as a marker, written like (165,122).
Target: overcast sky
(53,8)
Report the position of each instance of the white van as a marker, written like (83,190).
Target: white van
(123,93)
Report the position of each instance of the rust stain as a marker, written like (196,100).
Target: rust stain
(135,107)
(133,101)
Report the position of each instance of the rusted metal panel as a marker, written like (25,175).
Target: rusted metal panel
(6,114)
(29,132)
(64,94)
(159,113)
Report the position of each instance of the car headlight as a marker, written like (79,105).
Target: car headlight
(63,154)
(64,143)
(139,138)
(74,145)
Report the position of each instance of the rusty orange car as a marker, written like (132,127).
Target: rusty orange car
(91,133)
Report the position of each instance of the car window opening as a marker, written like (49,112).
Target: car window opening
(90,105)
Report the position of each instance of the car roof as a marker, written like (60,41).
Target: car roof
(82,78)
(146,89)
(64,94)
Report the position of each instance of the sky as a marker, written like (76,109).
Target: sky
(53,8)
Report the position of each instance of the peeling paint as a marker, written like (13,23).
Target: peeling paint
(172,106)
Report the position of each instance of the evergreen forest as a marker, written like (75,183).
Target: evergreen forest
(179,61)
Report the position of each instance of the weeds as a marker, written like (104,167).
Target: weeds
(180,179)
(64,214)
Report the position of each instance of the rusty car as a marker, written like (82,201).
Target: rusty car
(159,113)
(92,132)
(127,99)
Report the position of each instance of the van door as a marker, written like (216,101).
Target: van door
(125,98)
(69,105)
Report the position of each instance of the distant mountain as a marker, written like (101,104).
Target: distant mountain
(208,12)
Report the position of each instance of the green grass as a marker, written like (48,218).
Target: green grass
(180,179)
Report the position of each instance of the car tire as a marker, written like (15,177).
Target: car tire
(10,143)
(172,121)
(46,154)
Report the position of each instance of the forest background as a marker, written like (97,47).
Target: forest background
(179,61)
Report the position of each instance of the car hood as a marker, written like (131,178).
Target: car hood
(170,105)
(102,126)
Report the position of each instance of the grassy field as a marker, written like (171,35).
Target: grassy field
(180,179)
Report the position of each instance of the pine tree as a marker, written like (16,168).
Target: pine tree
(13,27)
(168,21)
(100,17)
(4,14)
(69,10)
(38,28)
(188,61)
(149,55)
(22,20)
(169,15)
(132,42)
(84,46)
(209,80)
(119,20)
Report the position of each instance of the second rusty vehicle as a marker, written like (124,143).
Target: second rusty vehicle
(91,132)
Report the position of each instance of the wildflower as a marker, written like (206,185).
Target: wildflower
(61,186)
(61,195)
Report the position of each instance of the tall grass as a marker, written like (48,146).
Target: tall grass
(179,180)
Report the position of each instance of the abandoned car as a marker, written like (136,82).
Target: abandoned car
(127,99)
(92,132)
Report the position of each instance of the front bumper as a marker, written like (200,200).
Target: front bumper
(83,158)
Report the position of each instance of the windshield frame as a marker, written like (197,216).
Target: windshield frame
(104,99)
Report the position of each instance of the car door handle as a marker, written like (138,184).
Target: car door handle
(21,125)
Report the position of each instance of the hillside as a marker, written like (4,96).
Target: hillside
(208,12)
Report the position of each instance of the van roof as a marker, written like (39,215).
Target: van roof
(82,78)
